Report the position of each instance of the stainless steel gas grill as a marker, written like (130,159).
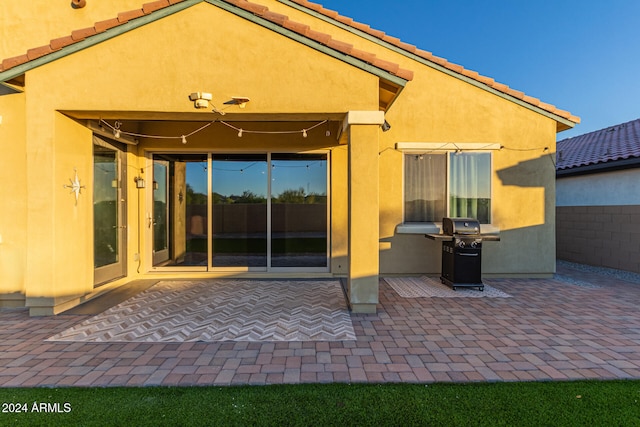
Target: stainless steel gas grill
(461,252)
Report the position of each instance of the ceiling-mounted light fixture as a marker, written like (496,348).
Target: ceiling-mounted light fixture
(385,126)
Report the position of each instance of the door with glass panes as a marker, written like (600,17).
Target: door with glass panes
(109,210)
(253,212)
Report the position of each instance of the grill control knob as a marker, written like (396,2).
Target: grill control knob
(461,244)
(474,244)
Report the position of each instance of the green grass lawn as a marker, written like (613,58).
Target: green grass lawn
(581,403)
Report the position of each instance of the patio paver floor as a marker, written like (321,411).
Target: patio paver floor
(548,330)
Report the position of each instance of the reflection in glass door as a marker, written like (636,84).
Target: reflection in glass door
(108,212)
(299,210)
(240,211)
(239,218)
(160,212)
(180,210)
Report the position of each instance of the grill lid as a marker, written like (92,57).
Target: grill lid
(467,226)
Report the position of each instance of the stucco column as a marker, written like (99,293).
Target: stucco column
(364,127)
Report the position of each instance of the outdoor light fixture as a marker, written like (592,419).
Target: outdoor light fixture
(200,99)
(184,139)
(385,126)
(78,4)
(240,101)
(116,129)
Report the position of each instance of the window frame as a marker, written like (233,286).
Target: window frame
(448,153)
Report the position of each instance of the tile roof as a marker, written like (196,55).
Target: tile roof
(614,143)
(437,60)
(254,8)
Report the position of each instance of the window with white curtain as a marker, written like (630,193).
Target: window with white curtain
(447,184)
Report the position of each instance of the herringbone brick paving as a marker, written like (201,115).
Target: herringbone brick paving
(223,310)
(547,330)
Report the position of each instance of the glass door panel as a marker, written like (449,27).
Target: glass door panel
(160,211)
(239,217)
(108,218)
(180,210)
(299,210)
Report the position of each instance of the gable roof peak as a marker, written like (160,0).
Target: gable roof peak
(148,11)
(430,57)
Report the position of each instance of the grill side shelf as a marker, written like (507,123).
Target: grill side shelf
(439,237)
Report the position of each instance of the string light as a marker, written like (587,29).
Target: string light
(116,129)
(117,132)
(304,131)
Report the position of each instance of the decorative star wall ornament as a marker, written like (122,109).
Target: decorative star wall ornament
(75,186)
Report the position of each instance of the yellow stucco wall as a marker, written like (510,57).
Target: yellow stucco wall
(280,76)
(434,107)
(13,199)
(143,77)
(34,23)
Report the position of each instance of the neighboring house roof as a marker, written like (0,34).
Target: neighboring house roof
(151,11)
(614,147)
(411,49)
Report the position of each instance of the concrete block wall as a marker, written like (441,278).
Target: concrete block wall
(604,236)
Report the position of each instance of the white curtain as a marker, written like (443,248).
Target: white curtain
(425,187)
(470,188)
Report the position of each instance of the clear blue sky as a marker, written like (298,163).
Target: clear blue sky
(579,55)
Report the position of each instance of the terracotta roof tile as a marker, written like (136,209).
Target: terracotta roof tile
(342,46)
(14,61)
(430,57)
(57,44)
(362,55)
(103,26)
(323,38)
(82,34)
(610,144)
(153,6)
(129,15)
(38,52)
(257,9)
(276,18)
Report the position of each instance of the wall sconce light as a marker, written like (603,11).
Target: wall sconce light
(385,126)
(200,99)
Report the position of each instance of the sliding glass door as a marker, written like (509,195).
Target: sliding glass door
(252,212)
(298,210)
(180,210)
(239,217)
